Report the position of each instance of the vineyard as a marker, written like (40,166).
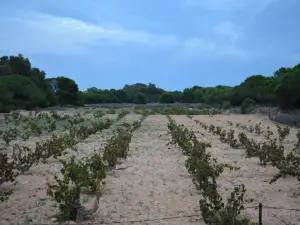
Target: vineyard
(92,166)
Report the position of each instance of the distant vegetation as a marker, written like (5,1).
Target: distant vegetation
(25,87)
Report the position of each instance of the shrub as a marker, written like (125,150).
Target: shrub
(67,196)
(247,105)
(7,174)
(283,132)
(268,133)
(298,139)
(23,158)
(98,114)
(97,172)
(9,135)
(288,165)
(66,191)
(111,111)
(117,147)
(215,211)
(205,171)
(122,115)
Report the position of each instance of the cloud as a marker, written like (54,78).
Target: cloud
(210,51)
(198,45)
(36,32)
(228,29)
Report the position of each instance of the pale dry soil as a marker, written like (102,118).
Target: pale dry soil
(29,200)
(151,186)
(282,194)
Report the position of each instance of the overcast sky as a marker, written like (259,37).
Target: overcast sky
(171,43)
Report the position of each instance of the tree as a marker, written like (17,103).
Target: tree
(257,87)
(65,89)
(37,75)
(166,98)
(188,95)
(5,98)
(23,86)
(15,65)
(66,84)
(21,66)
(151,92)
(279,74)
(288,89)
(140,98)
(198,95)
(177,96)
(19,92)
(121,95)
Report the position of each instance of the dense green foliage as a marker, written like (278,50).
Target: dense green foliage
(140,98)
(66,90)
(25,87)
(166,98)
(288,90)
(21,92)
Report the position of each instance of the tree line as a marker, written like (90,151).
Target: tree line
(25,87)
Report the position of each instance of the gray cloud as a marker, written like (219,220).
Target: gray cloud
(33,32)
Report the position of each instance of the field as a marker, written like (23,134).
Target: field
(151,183)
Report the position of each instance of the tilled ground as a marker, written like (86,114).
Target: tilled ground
(284,194)
(152,186)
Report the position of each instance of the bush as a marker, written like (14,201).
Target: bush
(66,191)
(117,146)
(7,174)
(205,170)
(247,105)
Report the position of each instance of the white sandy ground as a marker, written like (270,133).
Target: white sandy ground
(31,187)
(152,183)
(282,194)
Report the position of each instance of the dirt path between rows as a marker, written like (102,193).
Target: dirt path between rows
(151,184)
(29,202)
(282,195)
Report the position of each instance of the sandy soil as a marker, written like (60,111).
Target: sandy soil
(152,185)
(29,200)
(282,194)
